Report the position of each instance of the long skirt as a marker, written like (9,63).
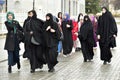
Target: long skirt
(87,50)
(51,56)
(105,52)
(67,47)
(37,57)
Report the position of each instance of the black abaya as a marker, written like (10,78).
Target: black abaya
(87,40)
(67,42)
(106,29)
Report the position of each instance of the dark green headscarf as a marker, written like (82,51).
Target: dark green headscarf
(11,14)
(11,20)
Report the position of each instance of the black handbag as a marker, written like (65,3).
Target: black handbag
(20,35)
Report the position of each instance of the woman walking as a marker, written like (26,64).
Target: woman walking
(12,41)
(34,41)
(67,27)
(59,25)
(87,39)
(51,37)
(107,31)
(80,22)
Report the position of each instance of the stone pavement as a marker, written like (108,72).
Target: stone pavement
(70,68)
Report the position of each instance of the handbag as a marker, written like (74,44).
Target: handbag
(20,35)
(33,41)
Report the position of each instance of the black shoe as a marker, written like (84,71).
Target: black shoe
(109,61)
(41,66)
(32,71)
(51,70)
(105,62)
(85,60)
(18,65)
(9,69)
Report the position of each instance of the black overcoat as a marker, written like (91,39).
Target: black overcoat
(10,37)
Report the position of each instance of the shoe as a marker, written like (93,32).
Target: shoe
(9,69)
(51,70)
(109,61)
(64,55)
(90,60)
(32,71)
(105,62)
(18,65)
(41,66)
(85,60)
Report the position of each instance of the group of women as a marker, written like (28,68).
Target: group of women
(45,39)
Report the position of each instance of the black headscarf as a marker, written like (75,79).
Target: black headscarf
(87,18)
(50,21)
(86,29)
(34,14)
(107,26)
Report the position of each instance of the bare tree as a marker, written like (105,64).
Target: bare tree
(116,4)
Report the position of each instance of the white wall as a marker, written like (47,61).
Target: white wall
(47,6)
(41,6)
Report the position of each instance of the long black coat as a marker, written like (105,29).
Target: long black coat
(87,40)
(10,37)
(86,33)
(34,25)
(106,28)
(68,41)
(51,39)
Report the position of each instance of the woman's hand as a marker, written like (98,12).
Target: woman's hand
(114,36)
(98,36)
(31,32)
(52,30)
(68,26)
(48,28)
(76,33)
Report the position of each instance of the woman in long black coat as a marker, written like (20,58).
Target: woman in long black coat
(12,41)
(87,39)
(107,31)
(34,41)
(51,37)
(67,42)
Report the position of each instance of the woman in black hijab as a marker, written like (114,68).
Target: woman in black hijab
(87,39)
(34,40)
(51,36)
(107,31)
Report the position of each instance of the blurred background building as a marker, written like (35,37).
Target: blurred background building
(42,7)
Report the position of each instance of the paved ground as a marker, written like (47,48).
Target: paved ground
(70,68)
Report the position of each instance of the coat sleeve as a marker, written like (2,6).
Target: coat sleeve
(71,25)
(99,25)
(113,26)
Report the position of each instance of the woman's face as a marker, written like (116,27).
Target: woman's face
(10,17)
(60,15)
(81,17)
(86,19)
(65,16)
(30,14)
(47,18)
(103,10)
